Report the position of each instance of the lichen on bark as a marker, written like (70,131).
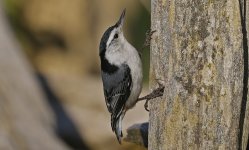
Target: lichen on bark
(197,52)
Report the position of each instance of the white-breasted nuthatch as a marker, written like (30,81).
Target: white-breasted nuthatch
(121,71)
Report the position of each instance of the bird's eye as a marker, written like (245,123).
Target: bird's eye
(116,36)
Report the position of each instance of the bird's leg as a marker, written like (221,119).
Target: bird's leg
(154,94)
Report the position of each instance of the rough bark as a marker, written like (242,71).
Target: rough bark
(197,52)
(25,118)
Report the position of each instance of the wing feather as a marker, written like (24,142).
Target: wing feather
(117,89)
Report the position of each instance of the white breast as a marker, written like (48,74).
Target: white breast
(128,54)
(135,65)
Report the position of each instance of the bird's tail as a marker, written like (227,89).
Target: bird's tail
(117,126)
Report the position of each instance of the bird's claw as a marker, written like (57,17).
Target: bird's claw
(154,94)
(148,37)
(160,82)
(146,105)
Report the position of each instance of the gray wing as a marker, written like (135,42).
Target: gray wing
(117,89)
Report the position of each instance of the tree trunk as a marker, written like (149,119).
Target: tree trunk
(245,135)
(198,52)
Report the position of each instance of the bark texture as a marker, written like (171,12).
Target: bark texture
(198,54)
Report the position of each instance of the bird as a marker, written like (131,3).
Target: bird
(121,71)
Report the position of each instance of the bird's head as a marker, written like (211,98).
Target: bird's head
(113,37)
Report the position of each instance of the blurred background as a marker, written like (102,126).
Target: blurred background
(51,94)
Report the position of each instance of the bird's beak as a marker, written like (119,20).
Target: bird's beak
(121,19)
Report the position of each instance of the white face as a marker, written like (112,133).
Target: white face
(116,38)
(115,46)
(116,51)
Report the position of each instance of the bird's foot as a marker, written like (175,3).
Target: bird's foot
(148,38)
(154,94)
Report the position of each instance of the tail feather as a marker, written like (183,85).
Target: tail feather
(116,123)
